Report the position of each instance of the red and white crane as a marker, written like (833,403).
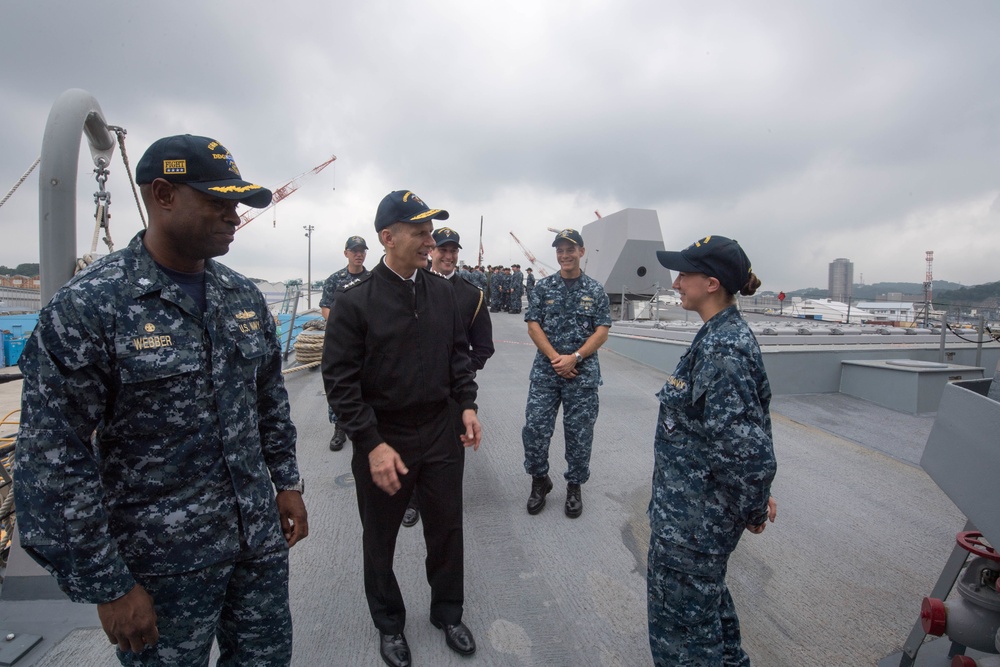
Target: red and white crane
(282,192)
(531,258)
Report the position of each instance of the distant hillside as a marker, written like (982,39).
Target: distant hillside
(30,270)
(987,295)
(876,290)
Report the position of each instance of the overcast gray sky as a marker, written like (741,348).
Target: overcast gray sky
(806,130)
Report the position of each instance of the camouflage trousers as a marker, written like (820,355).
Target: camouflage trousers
(580,405)
(329,412)
(242,603)
(692,620)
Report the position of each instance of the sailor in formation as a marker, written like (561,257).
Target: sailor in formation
(516,289)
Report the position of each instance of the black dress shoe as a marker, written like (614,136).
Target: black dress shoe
(394,650)
(411,516)
(574,503)
(457,637)
(540,487)
(338,440)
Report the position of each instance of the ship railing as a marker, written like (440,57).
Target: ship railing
(7,443)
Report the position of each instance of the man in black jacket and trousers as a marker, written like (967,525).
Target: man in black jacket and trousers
(475,319)
(396,352)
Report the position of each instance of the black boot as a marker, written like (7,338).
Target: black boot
(540,487)
(574,503)
(412,514)
(338,440)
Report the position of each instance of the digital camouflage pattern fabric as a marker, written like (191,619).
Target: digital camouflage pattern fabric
(151,433)
(714,455)
(714,463)
(257,631)
(335,281)
(568,316)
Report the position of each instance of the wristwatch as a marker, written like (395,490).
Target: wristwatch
(299,486)
(579,357)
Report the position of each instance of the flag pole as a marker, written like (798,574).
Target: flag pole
(480,262)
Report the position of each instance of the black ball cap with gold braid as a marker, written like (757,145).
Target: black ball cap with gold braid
(202,163)
(404,206)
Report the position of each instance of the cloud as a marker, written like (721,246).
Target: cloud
(807,131)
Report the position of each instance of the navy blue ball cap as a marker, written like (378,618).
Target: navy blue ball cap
(716,257)
(202,163)
(404,206)
(568,235)
(444,235)
(355,242)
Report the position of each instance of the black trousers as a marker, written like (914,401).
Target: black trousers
(436,460)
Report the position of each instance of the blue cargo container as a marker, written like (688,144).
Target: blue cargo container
(12,348)
(15,330)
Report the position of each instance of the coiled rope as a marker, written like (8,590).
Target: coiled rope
(308,346)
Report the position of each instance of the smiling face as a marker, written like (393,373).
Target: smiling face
(407,246)
(569,254)
(700,293)
(444,258)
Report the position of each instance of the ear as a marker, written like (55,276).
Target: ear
(713,284)
(385,236)
(163,194)
(583,251)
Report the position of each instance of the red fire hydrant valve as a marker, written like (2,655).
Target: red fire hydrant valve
(962,661)
(932,616)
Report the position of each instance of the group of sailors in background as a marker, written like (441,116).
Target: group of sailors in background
(504,286)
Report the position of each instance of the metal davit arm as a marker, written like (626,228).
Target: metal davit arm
(75,113)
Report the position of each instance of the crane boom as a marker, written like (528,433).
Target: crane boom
(531,258)
(282,192)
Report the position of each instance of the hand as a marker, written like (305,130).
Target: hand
(130,621)
(294,521)
(565,366)
(473,431)
(386,466)
(772,514)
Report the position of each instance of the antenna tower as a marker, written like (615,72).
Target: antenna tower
(928,284)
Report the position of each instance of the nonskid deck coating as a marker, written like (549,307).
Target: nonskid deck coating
(837,581)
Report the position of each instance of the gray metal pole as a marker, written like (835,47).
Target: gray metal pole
(944,332)
(309,266)
(979,345)
(75,113)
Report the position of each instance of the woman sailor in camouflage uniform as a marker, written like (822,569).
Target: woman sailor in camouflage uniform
(714,463)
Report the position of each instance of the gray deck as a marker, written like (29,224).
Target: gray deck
(862,534)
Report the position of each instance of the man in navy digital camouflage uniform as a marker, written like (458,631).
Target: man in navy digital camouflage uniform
(568,319)
(156,469)
(529,282)
(496,290)
(714,463)
(516,289)
(355,250)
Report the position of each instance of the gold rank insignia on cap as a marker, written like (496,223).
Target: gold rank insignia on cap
(246,315)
